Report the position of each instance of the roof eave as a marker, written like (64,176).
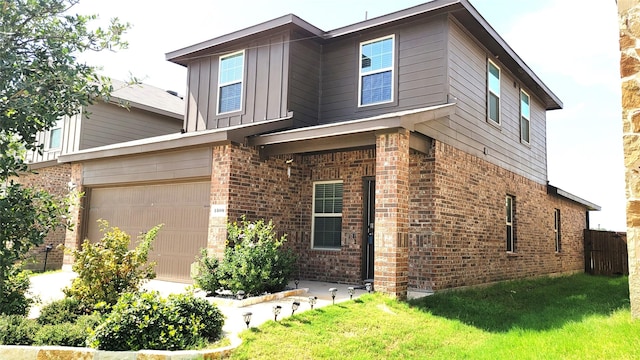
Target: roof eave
(567,195)
(181,55)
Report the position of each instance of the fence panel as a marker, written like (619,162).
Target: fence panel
(605,253)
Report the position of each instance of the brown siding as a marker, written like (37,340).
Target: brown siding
(264,90)
(420,71)
(70,139)
(109,124)
(469,130)
(304,80)
(183,164)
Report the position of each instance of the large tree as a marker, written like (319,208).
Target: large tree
(41,81)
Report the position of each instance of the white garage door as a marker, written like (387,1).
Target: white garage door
(183,208)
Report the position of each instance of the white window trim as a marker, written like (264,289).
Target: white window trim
(489,119)
(221,85)
(314,215)
(392,68)
(557,229)
(510,223)
(47,137)
(528,118)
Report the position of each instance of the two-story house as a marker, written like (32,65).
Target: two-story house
(409,149)
(133,112)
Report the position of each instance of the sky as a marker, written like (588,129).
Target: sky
(572,45)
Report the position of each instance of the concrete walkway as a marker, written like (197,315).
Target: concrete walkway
(48,287)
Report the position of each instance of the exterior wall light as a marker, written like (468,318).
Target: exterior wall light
(294,306)
(276,312)
(247,318)
(333,292)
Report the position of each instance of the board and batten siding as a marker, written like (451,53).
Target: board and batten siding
(468,129)
(420,78)
(69,141)
(150,167)
(110,124)
(304,79)
(264,87)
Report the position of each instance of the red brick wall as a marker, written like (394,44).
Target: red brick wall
(392,210)
(458,223)
(53,179)
(73,236)
(266,188)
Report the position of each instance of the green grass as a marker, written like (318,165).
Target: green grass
(574,317)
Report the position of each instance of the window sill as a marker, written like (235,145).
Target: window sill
(512,254)
(326,249)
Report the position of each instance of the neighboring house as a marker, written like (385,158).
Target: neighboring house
(409,149)
(134,112)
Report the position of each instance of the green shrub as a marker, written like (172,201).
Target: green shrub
(17,330)
(13,299)
(61,311)
(107,269)
(206,276)
(147,321)
(67,333)
(254,260)
(200,315)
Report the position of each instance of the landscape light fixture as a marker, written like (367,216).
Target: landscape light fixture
(247,318)
(333,292)
(276,312)
(294,306)
(351,291)
(296,281)
(240,294)
(312,301)
(368,286)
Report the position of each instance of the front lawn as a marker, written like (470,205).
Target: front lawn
(573,317)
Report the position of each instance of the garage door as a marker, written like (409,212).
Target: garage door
(183,208)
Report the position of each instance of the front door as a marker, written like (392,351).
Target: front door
(368,227)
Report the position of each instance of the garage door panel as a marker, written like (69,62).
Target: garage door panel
(182,208)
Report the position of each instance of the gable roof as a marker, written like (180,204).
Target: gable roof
(147,97)
(461,10)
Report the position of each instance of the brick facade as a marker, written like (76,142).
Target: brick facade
(458,225)
(440,217)
(53,179)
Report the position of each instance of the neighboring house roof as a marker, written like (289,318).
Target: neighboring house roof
(462,10)
(149,98)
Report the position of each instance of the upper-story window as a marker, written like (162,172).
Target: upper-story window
(376,71)
(54,136)
(493,92)
(525,117)
(230,82)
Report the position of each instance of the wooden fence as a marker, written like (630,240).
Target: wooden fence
(605,253)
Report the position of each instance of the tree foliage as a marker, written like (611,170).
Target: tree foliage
(41,81)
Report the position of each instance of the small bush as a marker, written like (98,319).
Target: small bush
(147,321)
(13,299)
(254,260)
(61,311)
(67,333)
(206,277)
(200,315)
(107,269)
(17,330)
